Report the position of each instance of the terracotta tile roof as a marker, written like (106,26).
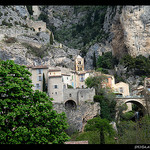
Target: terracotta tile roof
(54,70)
(77,142)
(40,67)
(65,74)
(54,76)
(81,72)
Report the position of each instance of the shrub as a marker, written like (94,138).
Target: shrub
(127,116)
(10,40)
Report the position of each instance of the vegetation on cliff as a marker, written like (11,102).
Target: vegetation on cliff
(89,29)
(139,66)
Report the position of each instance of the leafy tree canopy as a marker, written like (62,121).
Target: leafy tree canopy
(107,61)
(100,125)
(140,65)
(27,116)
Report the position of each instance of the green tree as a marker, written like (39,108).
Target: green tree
(100,125)
(105,61)
(94,60)
(107,106)
(139,66)
(44,84)
(104,96)
(51,39)
(43,17)
(29,8)
(95,82)
(27,116)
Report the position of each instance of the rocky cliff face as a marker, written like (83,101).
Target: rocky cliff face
(21,43)
(131,31)
(125,30)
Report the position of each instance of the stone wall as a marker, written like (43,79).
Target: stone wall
(55,92)
(81,107)
(78,117)
(39,26)
(79,95)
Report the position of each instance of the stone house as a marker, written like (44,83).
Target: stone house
(55,86)
(73,78)
(138,91)
(38,26)
(37,76)
(66,79)
(122,89)
(109,81)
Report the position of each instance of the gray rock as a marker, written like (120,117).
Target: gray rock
(22,10)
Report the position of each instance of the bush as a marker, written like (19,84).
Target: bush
(6,23)
(39,52)
(91,136)
(10,40)
(130,132)
(69,86)
(127,115)
(43,17)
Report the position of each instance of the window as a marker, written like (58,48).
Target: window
(56,93)
(81,78)
(40,78)
(79,62)
(55,86)
(39,70)
(70,94)
(39,29)
(121,89)
(37,86)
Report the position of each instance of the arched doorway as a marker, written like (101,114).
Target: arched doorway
(70,105)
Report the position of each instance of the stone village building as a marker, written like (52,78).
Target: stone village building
(77,102)
(58,79)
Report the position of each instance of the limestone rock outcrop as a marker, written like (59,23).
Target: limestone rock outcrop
(23,44)
(130,30)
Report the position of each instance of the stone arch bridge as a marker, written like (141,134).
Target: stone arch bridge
(139,101)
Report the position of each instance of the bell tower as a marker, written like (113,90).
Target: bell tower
(79,63)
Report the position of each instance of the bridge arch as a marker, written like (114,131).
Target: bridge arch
(140,102)
(70,104)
